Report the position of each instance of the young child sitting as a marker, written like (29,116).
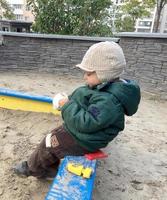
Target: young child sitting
(93,114)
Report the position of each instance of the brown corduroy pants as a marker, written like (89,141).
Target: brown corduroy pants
(53,147)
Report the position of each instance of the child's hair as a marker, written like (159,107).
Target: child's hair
(106,59)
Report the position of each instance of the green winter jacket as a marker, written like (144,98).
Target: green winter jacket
(94,116)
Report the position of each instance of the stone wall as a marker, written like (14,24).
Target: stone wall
(39,52)
(146,56)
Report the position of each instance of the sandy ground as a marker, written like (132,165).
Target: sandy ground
(136,168)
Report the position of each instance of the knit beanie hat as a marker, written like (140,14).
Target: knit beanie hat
(106,59)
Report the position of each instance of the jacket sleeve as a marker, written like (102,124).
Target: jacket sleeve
(100,113)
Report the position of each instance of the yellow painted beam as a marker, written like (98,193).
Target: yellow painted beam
(16,103)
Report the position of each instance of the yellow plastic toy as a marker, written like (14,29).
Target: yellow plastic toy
(86,173)
(75,168)
(79,170)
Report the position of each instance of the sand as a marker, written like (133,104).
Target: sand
(136,168)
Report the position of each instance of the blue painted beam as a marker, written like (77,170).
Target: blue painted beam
(11,99)
(68,186)
(13,93)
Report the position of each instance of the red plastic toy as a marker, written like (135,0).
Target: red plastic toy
(96,155)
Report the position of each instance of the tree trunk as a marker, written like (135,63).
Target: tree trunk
(157,22)
(160,5)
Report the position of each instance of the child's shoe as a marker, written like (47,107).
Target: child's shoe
(22,169)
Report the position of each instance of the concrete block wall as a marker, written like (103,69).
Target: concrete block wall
(146,56)
(39,52)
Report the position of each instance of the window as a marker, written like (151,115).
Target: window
(17,6)
(145,23)
(23,29)
(19,17)
(5,28)
(28,8)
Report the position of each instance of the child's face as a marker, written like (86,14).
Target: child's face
(91,78)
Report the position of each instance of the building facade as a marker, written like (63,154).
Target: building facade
(21,11)
(146,24)
(15,26)
(23,17)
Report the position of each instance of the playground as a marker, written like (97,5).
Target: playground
(136,168)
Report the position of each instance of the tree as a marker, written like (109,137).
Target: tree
(77,17)
(130,12)
(159,5)
(5,10)
(124,24)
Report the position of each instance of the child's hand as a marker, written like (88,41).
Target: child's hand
(59,100)
(63,101)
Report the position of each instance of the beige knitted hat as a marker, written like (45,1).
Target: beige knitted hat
(106,59)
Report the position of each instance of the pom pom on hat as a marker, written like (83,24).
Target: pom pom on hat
(106,59)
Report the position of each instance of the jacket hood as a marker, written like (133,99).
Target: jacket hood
(128,94)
